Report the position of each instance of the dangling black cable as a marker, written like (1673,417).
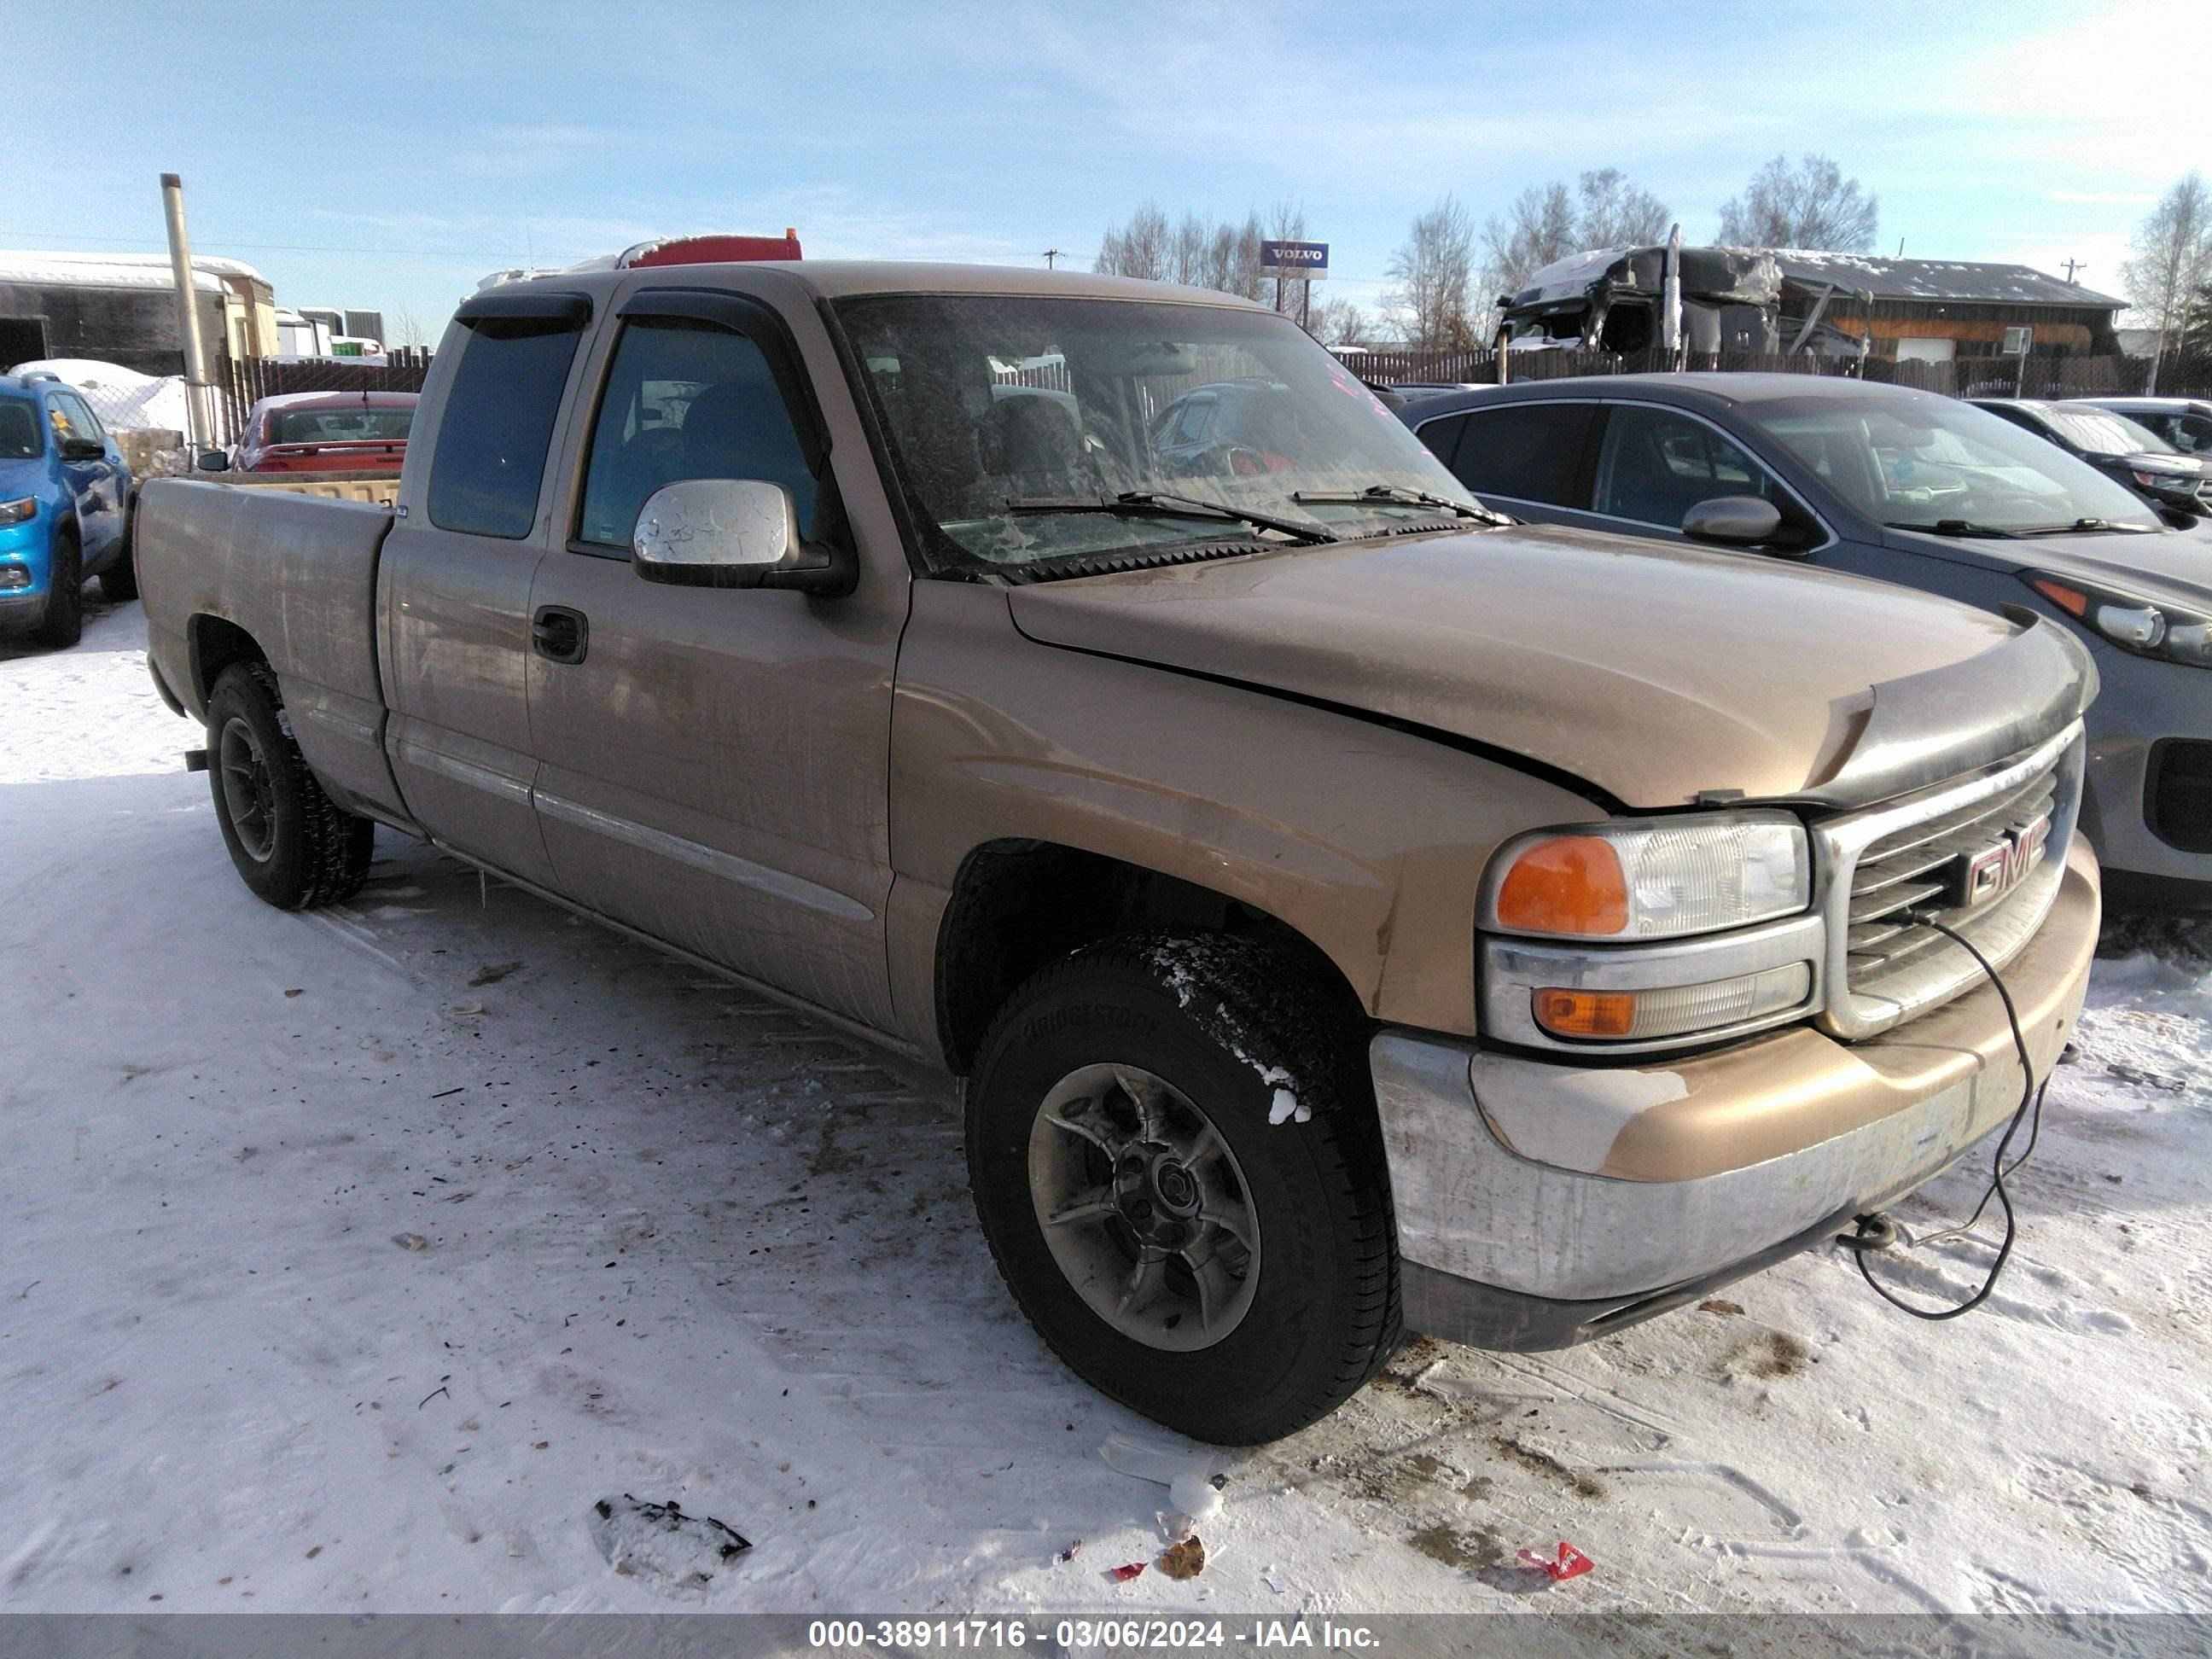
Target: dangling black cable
(1872,1229)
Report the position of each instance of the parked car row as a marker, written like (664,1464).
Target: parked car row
(65,508)
(2123,449)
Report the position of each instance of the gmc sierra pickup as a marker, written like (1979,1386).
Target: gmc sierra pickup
(1347,910)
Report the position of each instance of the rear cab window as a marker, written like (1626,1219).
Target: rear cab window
(499,417)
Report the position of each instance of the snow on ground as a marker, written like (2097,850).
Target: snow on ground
(679,1246)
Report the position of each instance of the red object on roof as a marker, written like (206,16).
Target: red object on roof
(712,250)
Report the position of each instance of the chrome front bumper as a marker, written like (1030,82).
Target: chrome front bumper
(1539,1203)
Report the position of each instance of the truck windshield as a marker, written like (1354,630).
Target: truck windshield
(997,406)
(1926,460)
(19,430)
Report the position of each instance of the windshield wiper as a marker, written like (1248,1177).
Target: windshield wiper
(1400,494)
(1154,503)
(1954,527)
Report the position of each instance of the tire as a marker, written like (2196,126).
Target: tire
(62,624)
(119,581)
(1275,1331)
(292,845)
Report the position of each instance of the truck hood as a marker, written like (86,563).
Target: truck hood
(1655,673)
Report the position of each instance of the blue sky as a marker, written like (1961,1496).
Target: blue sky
(389,156)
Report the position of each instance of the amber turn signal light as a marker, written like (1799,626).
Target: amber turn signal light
(1567,884)
(2071,600)
(1586,1013)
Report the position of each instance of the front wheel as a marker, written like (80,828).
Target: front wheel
(64,622)
(292,844)
(1174,1152)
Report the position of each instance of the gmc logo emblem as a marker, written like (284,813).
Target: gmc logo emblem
(1979,877)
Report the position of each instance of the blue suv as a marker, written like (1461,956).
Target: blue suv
(64,509)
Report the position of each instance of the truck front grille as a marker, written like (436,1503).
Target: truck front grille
(2014,821)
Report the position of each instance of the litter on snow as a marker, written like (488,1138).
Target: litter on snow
(1122,1575)
(1183,1560)
(660,1542)
(1571,1563)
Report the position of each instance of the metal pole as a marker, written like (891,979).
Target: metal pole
(188,315)
(1670,301)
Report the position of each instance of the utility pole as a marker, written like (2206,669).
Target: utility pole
(188,316)
(2073,265)
(1051,253)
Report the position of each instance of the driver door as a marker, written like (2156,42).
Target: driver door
(714,763)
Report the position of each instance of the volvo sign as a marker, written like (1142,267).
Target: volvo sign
(1302,261)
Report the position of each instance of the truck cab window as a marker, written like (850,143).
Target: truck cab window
(685,400)
(497,425)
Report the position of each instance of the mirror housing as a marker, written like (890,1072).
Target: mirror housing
(1733,521)
(83,449)
(212,460)
(733,532)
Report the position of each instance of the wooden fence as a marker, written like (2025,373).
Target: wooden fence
(240,383)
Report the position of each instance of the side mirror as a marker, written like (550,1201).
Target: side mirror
(1733,521)
(213,461)
(731,533)
(83,449)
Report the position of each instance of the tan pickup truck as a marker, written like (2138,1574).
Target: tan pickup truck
(1347,910)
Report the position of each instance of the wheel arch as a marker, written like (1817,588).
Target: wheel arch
(1017,904)
(215,643)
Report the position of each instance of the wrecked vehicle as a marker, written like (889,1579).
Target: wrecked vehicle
(1724,299)
(1348,909)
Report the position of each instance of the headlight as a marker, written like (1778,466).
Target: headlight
(19,512)
(2133,623)
(1649,933)
(1650,878)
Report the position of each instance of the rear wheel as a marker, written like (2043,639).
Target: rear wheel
(1173,1149)
(64,622)
(293,846)
(119,581)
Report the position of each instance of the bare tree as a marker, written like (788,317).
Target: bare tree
(1548,222)
(1203,252)
(412,335)
(1431,276)
(1339,322)
(1811,206)
(1139,248)
(2171,257)
(1610,212)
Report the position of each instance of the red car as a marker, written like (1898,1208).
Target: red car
(326,432)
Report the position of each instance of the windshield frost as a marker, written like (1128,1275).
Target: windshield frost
(1009,415)
(1938,459)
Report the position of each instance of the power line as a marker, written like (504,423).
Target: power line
(269,247)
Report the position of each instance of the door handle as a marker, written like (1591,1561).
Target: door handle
(559,635)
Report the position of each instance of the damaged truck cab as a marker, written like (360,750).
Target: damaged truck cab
(1346,908)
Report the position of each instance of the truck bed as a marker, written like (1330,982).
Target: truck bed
(298,574)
